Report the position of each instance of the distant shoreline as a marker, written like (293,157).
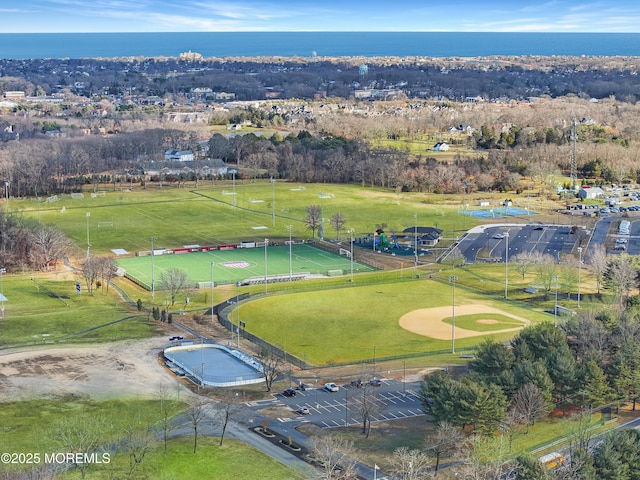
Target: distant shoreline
(318,45)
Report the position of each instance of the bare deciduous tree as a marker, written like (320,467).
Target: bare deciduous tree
(528,404)
(164,399)
(48,246)
(227,408)
(81,433)
(446,441)
(547,271)
(624,277)
(334,456)
(337,222)
(137,442)
(597,258)
(270,361)
(196,414)
(368,406)
(410,464)
(90,272)
(173,280)
(313,219)
(454,258)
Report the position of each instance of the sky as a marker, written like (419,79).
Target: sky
(67,16)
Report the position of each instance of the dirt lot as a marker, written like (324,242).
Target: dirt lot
(98,371)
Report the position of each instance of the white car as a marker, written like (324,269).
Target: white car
(498,236)
(331,387)
(621,240)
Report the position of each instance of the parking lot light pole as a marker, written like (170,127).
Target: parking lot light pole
(579,272)
(506,265)
(555,307)
(453,280)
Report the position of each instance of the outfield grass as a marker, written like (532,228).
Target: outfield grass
(361,323)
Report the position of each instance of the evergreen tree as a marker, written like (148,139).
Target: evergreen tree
(594,384)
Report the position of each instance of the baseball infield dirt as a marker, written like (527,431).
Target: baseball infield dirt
(430,321)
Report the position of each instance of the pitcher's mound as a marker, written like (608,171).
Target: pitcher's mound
(429,321)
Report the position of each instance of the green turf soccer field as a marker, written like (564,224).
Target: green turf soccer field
(238,265)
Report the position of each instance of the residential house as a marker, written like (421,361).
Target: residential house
(440,147)
(427,236)
(179,155)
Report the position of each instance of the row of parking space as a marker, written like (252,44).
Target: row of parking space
(325,410)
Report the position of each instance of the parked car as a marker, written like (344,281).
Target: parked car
(331,387)
(621,240)
(498,236)
(620,247)
(356,383)
(303,411)
(375,382)
(289,392)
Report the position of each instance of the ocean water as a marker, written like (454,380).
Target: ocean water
(307,44)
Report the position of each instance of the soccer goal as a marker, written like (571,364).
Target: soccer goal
(345,252)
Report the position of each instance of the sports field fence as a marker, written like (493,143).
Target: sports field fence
(223,311)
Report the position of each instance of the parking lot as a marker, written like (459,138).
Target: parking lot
(490,243)
(394,400)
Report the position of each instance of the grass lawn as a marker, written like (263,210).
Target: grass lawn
(181,216)
(360,323)
(47,308)
(476,322)
(36,425)
(233,460)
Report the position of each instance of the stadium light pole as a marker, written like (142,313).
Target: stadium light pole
(237,315)
(212,265)
(579,272)
(321,215)
(233,201)
(415,241)
(88,244)
(506,265)
(555,307)
(290,227)
(153,287)
(273,202)
(453,280)
(351,259)
(266,269)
